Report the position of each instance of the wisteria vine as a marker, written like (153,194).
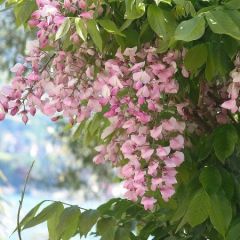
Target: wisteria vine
(137,90)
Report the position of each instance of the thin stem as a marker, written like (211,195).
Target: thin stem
(68,204)
(21,201)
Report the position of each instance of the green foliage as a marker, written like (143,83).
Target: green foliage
(220,213)
(190,30)
(197,211)
(81,28)
(63,29)
(87,221)
(206,204)
(210,179)
(196,57)
(225,136)
(93,30)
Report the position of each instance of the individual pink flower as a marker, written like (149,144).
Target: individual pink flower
(167,193)
(99,159)
(230,105)
(140,189)
(18,68)
(142,77)
(131,195)
(2,116)
(156,132)
(148,202)
(177,157)
(152,168)
(156,183)
(128,147)
(163,151)
(139,140)
(139,176)
(146,153)
(127,171)
(177,142)
(87,15)
(49,109)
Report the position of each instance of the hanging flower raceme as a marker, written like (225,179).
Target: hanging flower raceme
(137,87)
(232,103)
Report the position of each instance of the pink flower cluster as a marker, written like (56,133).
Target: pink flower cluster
(233,89)
(146,145)
(137,87)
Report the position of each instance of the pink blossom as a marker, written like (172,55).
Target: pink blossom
(146,153)
(98,159)
(138,139)
(128,147)
(24,118)
(142,77)
(156,183)
(131,195)
(177,158)
(139,176)
(148,202)
(127,171)
(152,168)
(230,105)
(87,15)
(163,151)
(2,116)
(177,142)
(49,109)
(18,68)
(156,132)
(167,193)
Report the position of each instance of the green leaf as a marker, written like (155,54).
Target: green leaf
(106,228)
(227,183)
(134,9)
(23,11)
(225,138)
(81,29)
(156,21)
(211,179)
(211,68)
(161,22)
(234,232)
(204,147)
(163,1)
(95,34)
(197,210)
(105,207)
(110,27)
(122,234)
(87,220)
(190,30)
(126,24)
(132,37)
(196,57)
(220,213)
(232,4)
(68,223)
(30,215)
(224,22)
(218,61)
(63,29)
(43,216)
(53,222)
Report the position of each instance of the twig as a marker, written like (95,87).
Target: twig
(67,204)
(21,201)
(46,64)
